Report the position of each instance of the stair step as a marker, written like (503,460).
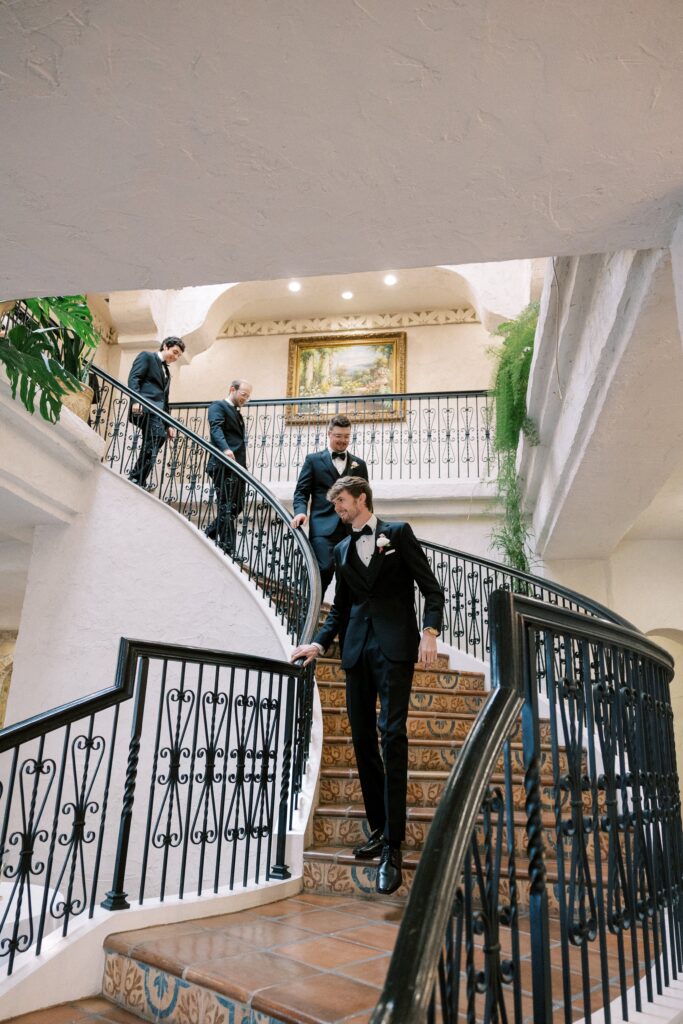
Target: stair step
(334,870)
(437,755)
(424,724)
(422,698)
(439,678)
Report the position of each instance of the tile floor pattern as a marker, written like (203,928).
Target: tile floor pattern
(310,959)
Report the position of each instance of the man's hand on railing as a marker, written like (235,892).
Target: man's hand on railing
(170,433)
(309,652)
(299,520)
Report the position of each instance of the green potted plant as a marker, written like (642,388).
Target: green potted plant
(46,347)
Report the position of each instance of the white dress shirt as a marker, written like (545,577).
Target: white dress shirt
(365,546)
(339,464)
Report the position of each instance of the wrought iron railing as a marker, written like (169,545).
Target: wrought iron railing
(606,862)
(215,746)
(442,435)
(468,582)
(278,559)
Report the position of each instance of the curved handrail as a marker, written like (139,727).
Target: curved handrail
(347,399)
(516,623)
(188,472)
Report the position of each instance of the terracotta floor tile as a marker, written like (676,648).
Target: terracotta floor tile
(381,936)
(376,910)
(220,921)
(241,976)
(359,1018)
(175,954)
(283,908)
(265,933)
(121,942)
(372,972)
(326,952)
(65,1013)
(325,999)
(327,921)
(319,900)
(107,1011)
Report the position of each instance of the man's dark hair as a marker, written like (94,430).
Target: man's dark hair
(355,485)
(340,420)
(171,342)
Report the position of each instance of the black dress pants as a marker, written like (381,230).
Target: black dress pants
(152,439)
(230,500)
(323,549)
(383,778)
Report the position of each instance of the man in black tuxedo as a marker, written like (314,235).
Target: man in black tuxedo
(150,376)
(319,472)
(229,435)
(374,615)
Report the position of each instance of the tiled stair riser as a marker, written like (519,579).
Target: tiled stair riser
(155,995)
(333,695)
(429,724)
(342,791)
(433,755)
(440,677)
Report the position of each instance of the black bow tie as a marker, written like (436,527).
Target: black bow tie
(339,455)
(366,531)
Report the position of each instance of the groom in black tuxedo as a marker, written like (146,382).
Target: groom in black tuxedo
(150,376)
(319,472)
(228,434)
(374,616)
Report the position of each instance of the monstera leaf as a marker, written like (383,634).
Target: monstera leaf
(33,370)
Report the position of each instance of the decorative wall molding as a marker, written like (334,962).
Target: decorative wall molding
(353,322)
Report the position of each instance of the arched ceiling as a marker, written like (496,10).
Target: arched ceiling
(157,145)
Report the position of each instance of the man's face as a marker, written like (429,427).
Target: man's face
(241,395)
(339,438)
(169,355)
(347,507)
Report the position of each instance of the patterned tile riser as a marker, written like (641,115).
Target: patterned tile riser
(337,724)
(348,832)
(334,654)
(354,880)
(154,995)
(433,758)
(444,703)
(332,672)
(435,727)
(335,792)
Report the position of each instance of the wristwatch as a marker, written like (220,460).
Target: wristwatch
(431,631)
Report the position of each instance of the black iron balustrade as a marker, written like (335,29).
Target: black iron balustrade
(468,583)
(596,883)
(442,435)
(278,559)
(214,746)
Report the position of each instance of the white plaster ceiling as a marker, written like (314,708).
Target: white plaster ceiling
(663,518)
(161,145)
(428,288)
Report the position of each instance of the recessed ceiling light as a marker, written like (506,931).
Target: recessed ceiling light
(347,295)
(294,286)
(390,279)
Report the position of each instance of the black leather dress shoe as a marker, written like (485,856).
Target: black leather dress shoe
(372,847)
(389,875)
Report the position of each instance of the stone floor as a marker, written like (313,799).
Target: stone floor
(311,959)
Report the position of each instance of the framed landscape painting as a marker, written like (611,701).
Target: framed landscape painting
(362,367)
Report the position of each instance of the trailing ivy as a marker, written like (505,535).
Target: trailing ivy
(512,537)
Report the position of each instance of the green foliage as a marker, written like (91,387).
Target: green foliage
(35,373)
(512,377)
(50,354)
(511,538)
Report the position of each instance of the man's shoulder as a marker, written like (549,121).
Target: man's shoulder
(220,405)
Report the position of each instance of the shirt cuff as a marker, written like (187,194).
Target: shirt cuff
(320,647)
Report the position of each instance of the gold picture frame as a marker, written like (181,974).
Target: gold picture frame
(347,367)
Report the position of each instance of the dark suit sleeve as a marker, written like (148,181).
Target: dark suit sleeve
(414,557)
(362,469)
(217,425)
(304,488)
(138,371)
(338,616)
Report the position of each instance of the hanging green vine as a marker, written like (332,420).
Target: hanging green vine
(512,536)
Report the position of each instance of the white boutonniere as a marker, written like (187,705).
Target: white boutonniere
(383,543)
(354,465)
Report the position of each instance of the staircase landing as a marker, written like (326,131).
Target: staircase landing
(309,959)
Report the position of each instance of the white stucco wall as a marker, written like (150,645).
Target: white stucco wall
(126,566)
(451,357)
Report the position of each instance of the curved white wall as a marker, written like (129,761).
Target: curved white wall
(126,566)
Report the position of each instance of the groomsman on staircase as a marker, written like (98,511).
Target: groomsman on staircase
(374,617)
(228,434)
(319,471)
